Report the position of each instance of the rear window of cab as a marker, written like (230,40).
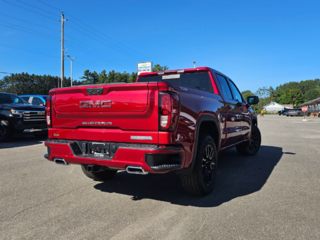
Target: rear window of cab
(198,80)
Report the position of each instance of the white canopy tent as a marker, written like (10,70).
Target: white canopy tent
(273,107)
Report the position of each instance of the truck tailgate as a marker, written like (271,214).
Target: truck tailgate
(118,107)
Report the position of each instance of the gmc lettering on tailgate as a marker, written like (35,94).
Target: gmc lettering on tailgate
(97,104)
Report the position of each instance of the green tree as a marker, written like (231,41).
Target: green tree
(247,93)
(24,83)
(117,77)
(312,94)
(103,77)
(133,77)
(90,77)
(111,75)
(158,68)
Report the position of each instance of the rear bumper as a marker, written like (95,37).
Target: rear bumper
(150,157)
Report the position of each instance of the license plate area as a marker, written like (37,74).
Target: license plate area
(98,150)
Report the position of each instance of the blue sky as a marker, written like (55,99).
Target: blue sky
(256,43)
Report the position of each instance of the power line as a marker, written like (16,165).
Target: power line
(36,7)
(99,40)
(36,32)
(49,5)
(96,31)
(29,51)
(29,22)
(107,36)
(74,39)
(115,46)
(81,49)
(29,10)
(50,36)
(6,73)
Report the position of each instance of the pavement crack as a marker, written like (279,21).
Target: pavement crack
(61,195)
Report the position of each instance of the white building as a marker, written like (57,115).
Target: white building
(273,107)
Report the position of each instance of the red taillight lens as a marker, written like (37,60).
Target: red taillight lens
(168,110)
(48,111)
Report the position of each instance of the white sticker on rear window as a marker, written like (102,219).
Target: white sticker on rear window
(173,76)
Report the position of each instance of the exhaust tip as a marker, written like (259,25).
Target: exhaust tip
(136,170)
(60,161)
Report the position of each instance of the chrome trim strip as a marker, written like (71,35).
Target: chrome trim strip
(141,138)
(32,120)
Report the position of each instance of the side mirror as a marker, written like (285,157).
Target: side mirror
(252,100)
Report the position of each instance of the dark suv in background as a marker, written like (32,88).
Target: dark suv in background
(17,116)
(294,112)
(39,100)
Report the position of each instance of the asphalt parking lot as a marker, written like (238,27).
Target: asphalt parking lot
(273,195)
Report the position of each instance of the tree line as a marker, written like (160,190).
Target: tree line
(293,93)
(24,83)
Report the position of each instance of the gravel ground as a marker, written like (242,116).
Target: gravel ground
(273,195)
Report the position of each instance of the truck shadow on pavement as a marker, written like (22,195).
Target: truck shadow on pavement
(22,141)
(238,176)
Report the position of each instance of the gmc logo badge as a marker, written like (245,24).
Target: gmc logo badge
(97,104)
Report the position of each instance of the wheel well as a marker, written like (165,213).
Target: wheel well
(254,122)
(209,127)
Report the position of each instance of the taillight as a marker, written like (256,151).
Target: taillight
(48,111)
(168,110)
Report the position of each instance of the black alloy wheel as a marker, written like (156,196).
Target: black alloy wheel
(201,180)
(208,166)
(251,147)
(255,140)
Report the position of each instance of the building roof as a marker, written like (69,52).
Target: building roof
(312,102)
(273,104)
(288,105)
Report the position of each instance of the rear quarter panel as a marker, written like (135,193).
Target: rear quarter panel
(193,104)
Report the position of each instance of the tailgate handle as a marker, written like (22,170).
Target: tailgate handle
(94,91)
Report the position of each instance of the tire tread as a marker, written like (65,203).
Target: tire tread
(192,183)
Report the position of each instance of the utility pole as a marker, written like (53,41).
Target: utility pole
(62,47)
(71,60)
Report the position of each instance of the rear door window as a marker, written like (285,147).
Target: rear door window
(25,98)
(36,101)
(199,80)
(235,92)
(224,86)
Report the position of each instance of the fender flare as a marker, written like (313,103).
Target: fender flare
(202,118)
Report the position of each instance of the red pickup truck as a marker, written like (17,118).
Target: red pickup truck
(176,120)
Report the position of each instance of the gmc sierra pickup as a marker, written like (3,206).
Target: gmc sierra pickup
(176,120)
(17,117)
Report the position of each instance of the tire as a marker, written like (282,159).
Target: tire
(202,179)
(5,131)
(251,147)
(101,175)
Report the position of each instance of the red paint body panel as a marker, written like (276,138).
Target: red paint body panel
(134,111)
(104,135)
(133,107)
(124,157)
